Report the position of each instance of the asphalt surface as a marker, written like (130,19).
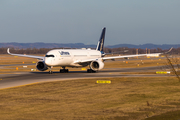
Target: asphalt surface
(23,78)
(16,65)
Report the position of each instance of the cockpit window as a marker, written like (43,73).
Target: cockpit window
(49,56)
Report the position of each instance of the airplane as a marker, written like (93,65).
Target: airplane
(76,57)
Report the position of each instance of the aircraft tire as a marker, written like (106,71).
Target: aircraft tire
(61,71)
(64,70)
(90,71)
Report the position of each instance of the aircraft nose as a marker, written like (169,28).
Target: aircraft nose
(48,61)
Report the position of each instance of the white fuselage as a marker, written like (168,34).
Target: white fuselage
(67,57)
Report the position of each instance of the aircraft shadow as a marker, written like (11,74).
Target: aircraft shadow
(59,72)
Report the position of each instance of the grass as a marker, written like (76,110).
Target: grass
(140,62)
(172,115)
(125,99)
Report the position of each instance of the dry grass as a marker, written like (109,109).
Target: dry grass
(140,62)
(124,98)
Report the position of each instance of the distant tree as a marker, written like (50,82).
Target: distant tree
(106,50)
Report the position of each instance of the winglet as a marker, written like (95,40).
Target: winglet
(168,50)
(8,51)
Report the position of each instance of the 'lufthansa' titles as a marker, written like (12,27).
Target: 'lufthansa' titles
(63,53)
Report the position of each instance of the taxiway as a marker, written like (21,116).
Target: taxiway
(24,78)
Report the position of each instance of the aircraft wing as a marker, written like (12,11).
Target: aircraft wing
(115,57)
(123,56)
(30,56)
(127,56)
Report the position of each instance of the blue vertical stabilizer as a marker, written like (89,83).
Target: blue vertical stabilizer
(100,44)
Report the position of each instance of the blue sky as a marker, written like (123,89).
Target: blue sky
(81,21)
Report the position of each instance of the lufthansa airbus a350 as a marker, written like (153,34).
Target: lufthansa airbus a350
(76,57)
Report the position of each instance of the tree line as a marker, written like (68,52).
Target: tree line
(106,50)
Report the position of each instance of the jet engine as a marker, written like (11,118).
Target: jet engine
(96,65)
(41,66)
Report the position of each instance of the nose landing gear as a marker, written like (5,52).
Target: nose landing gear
(50,70)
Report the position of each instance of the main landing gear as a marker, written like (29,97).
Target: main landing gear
(64,70)
(90,71)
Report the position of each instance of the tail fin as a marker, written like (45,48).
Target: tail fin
(100,44)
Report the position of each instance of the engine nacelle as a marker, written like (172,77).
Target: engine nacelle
(41,66)
(96,65)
